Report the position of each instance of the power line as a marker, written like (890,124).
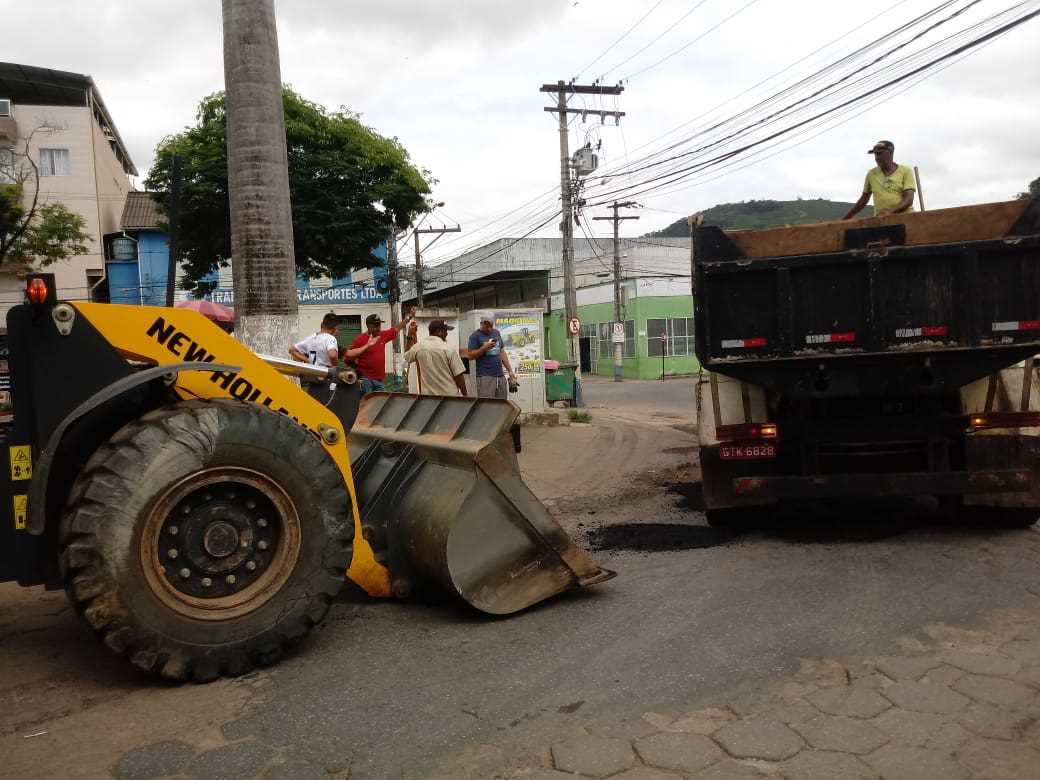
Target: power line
(667,30)
(872,45)
(676,175)
(688,45)
(623,36)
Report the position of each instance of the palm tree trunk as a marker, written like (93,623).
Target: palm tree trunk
(264,267)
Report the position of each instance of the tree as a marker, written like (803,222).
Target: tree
(258,180)
(1033,191)
(350,188)
(35,234)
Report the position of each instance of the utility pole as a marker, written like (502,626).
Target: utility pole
(176,178)
(418,257)
(619,346)
(264,269)
(562,90)
(394,295)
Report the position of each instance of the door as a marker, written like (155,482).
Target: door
(585,347)
(348,329)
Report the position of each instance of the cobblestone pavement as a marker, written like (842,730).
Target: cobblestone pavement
(963,704)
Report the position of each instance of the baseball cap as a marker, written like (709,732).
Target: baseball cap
(440,325)
(487,320)
(882,145)
(373,319)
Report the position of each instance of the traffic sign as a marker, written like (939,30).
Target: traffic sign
(574,325)
(618,333)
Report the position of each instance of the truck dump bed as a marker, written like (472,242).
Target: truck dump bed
(909,303)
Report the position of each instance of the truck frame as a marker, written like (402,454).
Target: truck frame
(888,356)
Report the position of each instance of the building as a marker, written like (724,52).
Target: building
(60,120)
(138,259)
(527,272)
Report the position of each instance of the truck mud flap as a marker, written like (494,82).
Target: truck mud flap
(442,502)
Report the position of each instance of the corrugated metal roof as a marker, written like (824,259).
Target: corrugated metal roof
(141,212)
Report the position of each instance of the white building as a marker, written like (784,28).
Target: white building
(61,122)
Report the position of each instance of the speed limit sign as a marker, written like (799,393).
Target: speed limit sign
(574,325)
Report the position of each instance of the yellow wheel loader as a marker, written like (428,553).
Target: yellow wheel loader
(202,510)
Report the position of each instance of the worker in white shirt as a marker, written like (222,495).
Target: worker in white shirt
(321,348)
(438,366)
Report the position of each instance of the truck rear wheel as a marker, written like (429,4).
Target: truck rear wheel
(206,538)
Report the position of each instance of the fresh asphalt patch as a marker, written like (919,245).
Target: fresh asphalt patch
(657,537)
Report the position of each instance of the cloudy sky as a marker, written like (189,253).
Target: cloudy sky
(457,82)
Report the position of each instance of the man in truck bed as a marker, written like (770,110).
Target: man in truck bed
(892,185)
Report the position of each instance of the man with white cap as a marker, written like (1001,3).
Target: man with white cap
(485,347)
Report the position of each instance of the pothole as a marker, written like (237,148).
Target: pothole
(657,537)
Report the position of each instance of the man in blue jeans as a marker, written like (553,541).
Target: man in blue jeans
(485,347)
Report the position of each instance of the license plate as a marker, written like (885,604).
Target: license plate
(746,451)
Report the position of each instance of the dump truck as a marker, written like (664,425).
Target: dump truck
(202,510)
(887,356)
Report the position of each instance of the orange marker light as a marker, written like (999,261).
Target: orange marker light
(37,290)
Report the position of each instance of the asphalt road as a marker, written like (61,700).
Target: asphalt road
(417,689)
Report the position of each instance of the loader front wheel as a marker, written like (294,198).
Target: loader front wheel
(206,538)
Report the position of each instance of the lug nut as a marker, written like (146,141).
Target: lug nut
(250,505)
(206,582)
(172,553)
(172,530)
(251,565)
(231,495)
(262,523)
(230,579)
(207,497)
(185,573)
(262,545)
(186,510)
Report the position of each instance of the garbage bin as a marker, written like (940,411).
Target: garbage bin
(559,383)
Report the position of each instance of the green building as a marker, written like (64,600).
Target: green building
(525,273)
(650,306)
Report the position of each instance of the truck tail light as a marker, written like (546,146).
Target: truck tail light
(746,432)
(37,291)
(984,420)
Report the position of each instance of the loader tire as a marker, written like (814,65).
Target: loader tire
(206,538)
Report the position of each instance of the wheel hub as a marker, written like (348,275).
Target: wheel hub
(220,540)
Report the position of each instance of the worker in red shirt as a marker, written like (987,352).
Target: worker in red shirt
(368,351)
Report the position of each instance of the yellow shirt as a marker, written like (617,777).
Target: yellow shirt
(888,190)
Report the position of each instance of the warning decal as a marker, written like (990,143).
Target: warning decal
(21,462)
(21,511)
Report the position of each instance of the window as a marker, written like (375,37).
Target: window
(680,336)
(7,172)
(5,107)
(606,340)
(54,162)
(606,344)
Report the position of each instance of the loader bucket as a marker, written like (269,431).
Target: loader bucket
(442,502)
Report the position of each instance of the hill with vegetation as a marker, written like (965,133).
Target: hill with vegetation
(754,214)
